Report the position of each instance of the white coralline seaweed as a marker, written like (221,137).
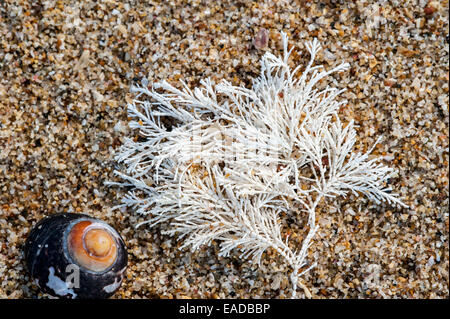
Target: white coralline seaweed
(221,162)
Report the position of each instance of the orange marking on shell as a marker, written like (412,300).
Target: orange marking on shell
(98,242)
(91,246)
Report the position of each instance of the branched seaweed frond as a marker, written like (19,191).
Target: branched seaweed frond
(220,162)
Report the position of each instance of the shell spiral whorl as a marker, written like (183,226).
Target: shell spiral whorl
(92,246)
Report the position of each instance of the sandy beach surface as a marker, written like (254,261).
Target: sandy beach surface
(65,72)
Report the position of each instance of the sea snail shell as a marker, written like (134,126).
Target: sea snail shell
(76,256)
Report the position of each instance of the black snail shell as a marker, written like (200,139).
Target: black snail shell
(76,256)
